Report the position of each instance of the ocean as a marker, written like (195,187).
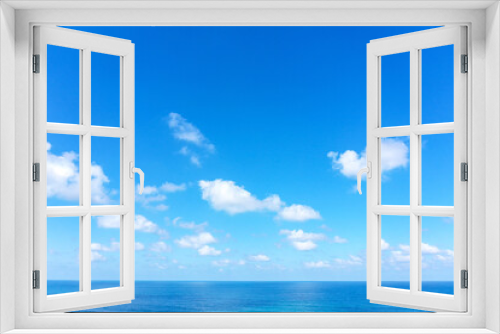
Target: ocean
(196,296)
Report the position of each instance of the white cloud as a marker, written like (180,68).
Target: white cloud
(400,256)
(301,240)
(148,190)
(193,157)
(339,240)
(195,241)
(154,194)
(304,245)
(113,247)
(207,250)
(259,258)
(405,248)
(141,224)
(96,256)
(351,261)
(318,264)
(384,245)
(159,247)
(108,221)
(172,187)
(161,207)
(394,155)
(221,263)
(425,248)
(185,131)
(63,178)
(150,195)
(349,162)
(139,246)
(298,213)
(448,256)
(300,235)
(227,196)
(429,249)
(189,225)
(97,248)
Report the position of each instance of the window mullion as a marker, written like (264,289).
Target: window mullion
(414,171)
(85,171)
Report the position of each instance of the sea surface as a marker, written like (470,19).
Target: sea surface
(195,296)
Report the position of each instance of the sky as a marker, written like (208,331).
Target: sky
(250,139)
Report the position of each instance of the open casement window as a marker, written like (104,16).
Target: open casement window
(418,124)
(79,214)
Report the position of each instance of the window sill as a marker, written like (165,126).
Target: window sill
(249,331)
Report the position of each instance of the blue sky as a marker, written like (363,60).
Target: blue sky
(250,138)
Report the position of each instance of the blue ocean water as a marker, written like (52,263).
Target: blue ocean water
(168,296)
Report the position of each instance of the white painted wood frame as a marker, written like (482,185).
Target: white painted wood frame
(482,19)
(86,43)
(414,43)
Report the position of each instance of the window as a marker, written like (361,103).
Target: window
(420,122)
(482,236)
(302,230)
(68,197)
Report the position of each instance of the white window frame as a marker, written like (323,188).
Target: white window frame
(86,44)
(482,19)
(414,43)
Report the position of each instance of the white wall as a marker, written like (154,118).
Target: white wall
(492,165)
(7,161)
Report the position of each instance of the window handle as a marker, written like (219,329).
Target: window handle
(133,170)
(368,171)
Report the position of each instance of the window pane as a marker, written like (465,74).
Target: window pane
(437,84)
(437,254)
(63,85)
(63,170)
(437,169)
(105,90)
(63,255)
(395,170)
(395,248)
(395,89)
(105,249)
(105,170)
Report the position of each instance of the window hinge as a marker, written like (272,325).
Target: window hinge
(36,172)
(464,171)
(465,64)
(36,63)
(36,279)
(465,279)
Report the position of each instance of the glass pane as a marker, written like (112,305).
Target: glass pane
(395,89)
(105,90)
(437,254)
(395,171)
(63,85)
(437,84)
(105,249)
(63,166)
(63,255)
(105,170)
(395,248)
(437,169)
